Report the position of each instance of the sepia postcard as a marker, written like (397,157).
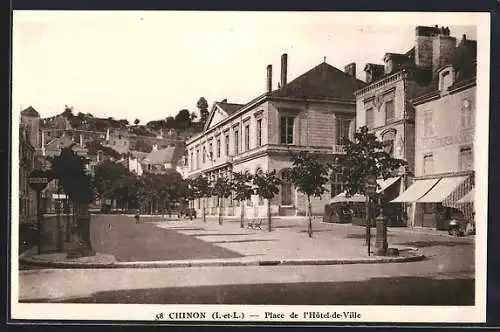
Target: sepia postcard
(224,167)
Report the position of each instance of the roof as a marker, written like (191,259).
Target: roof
(162,156)
(229,108)
(463,59)
(30,111)
(321,82)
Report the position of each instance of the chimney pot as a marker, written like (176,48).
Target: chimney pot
(269,78)
(350,69)
(284,64)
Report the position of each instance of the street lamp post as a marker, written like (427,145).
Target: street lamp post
(381,222)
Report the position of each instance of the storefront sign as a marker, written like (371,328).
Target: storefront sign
(435,142)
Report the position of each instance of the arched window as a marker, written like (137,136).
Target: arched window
(388,138)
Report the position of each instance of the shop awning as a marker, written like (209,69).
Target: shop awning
(415,191)
(383,185)
(442,189)
(468,198)
(342,198)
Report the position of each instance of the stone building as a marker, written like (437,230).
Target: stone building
(311,113)
(444,145)
(385,106)
(27,163)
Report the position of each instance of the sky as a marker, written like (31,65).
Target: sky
(150,65)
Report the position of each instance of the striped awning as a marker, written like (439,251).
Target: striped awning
(468,198)
(418,189)
(381,183)
(444,188)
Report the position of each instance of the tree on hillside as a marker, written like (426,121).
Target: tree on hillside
(366,156)
(243,191)
(137,121)
(69,169)
(222,188)
(202,106)
(309,175)
(267,185)
(68,112)
(183,119)
(170,123)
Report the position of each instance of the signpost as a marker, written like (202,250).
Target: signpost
(38,181)
(370,191)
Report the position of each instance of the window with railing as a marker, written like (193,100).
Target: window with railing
(259,132)
(226,141)
(247,137)
(467,114)
(286,129)
(466,158)
(369,120)
(389,111)
(342,129)
(428,164)
(236,142)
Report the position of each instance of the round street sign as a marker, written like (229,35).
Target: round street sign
(38,180)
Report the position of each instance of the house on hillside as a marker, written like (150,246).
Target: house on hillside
(160,160)
(311,113)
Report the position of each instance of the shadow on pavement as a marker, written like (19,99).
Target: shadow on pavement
(362,236)
(240,241)
(424,244)
(376,291)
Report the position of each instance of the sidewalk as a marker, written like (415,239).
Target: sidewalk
(287,244)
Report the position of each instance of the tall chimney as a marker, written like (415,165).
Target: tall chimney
(269,78)
(350,69)
(284,64)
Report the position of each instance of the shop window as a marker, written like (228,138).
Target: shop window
(429,208)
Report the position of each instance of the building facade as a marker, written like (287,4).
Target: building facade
(311,113)
(385,104)
(444,145)
(27,163)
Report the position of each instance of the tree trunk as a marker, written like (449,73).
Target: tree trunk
(59,226)
(242,214)
(368,225)
(310,228)
(83,237)
(269,226)
(204,216)
(220,211)
(68,222)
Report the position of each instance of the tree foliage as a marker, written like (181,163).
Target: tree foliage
(365,156)
(69,169)
(202,106)
(309,175)
(267,185)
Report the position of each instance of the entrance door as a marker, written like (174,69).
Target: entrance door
(286,194)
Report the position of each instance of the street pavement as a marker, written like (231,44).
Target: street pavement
(446,277)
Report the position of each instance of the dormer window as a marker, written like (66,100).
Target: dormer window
(446,79)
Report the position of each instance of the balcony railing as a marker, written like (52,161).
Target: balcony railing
(338,148)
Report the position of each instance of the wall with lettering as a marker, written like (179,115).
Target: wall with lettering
(443,126)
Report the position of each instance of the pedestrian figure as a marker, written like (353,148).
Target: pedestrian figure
(137,218)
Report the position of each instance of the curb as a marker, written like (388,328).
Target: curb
(221,263)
